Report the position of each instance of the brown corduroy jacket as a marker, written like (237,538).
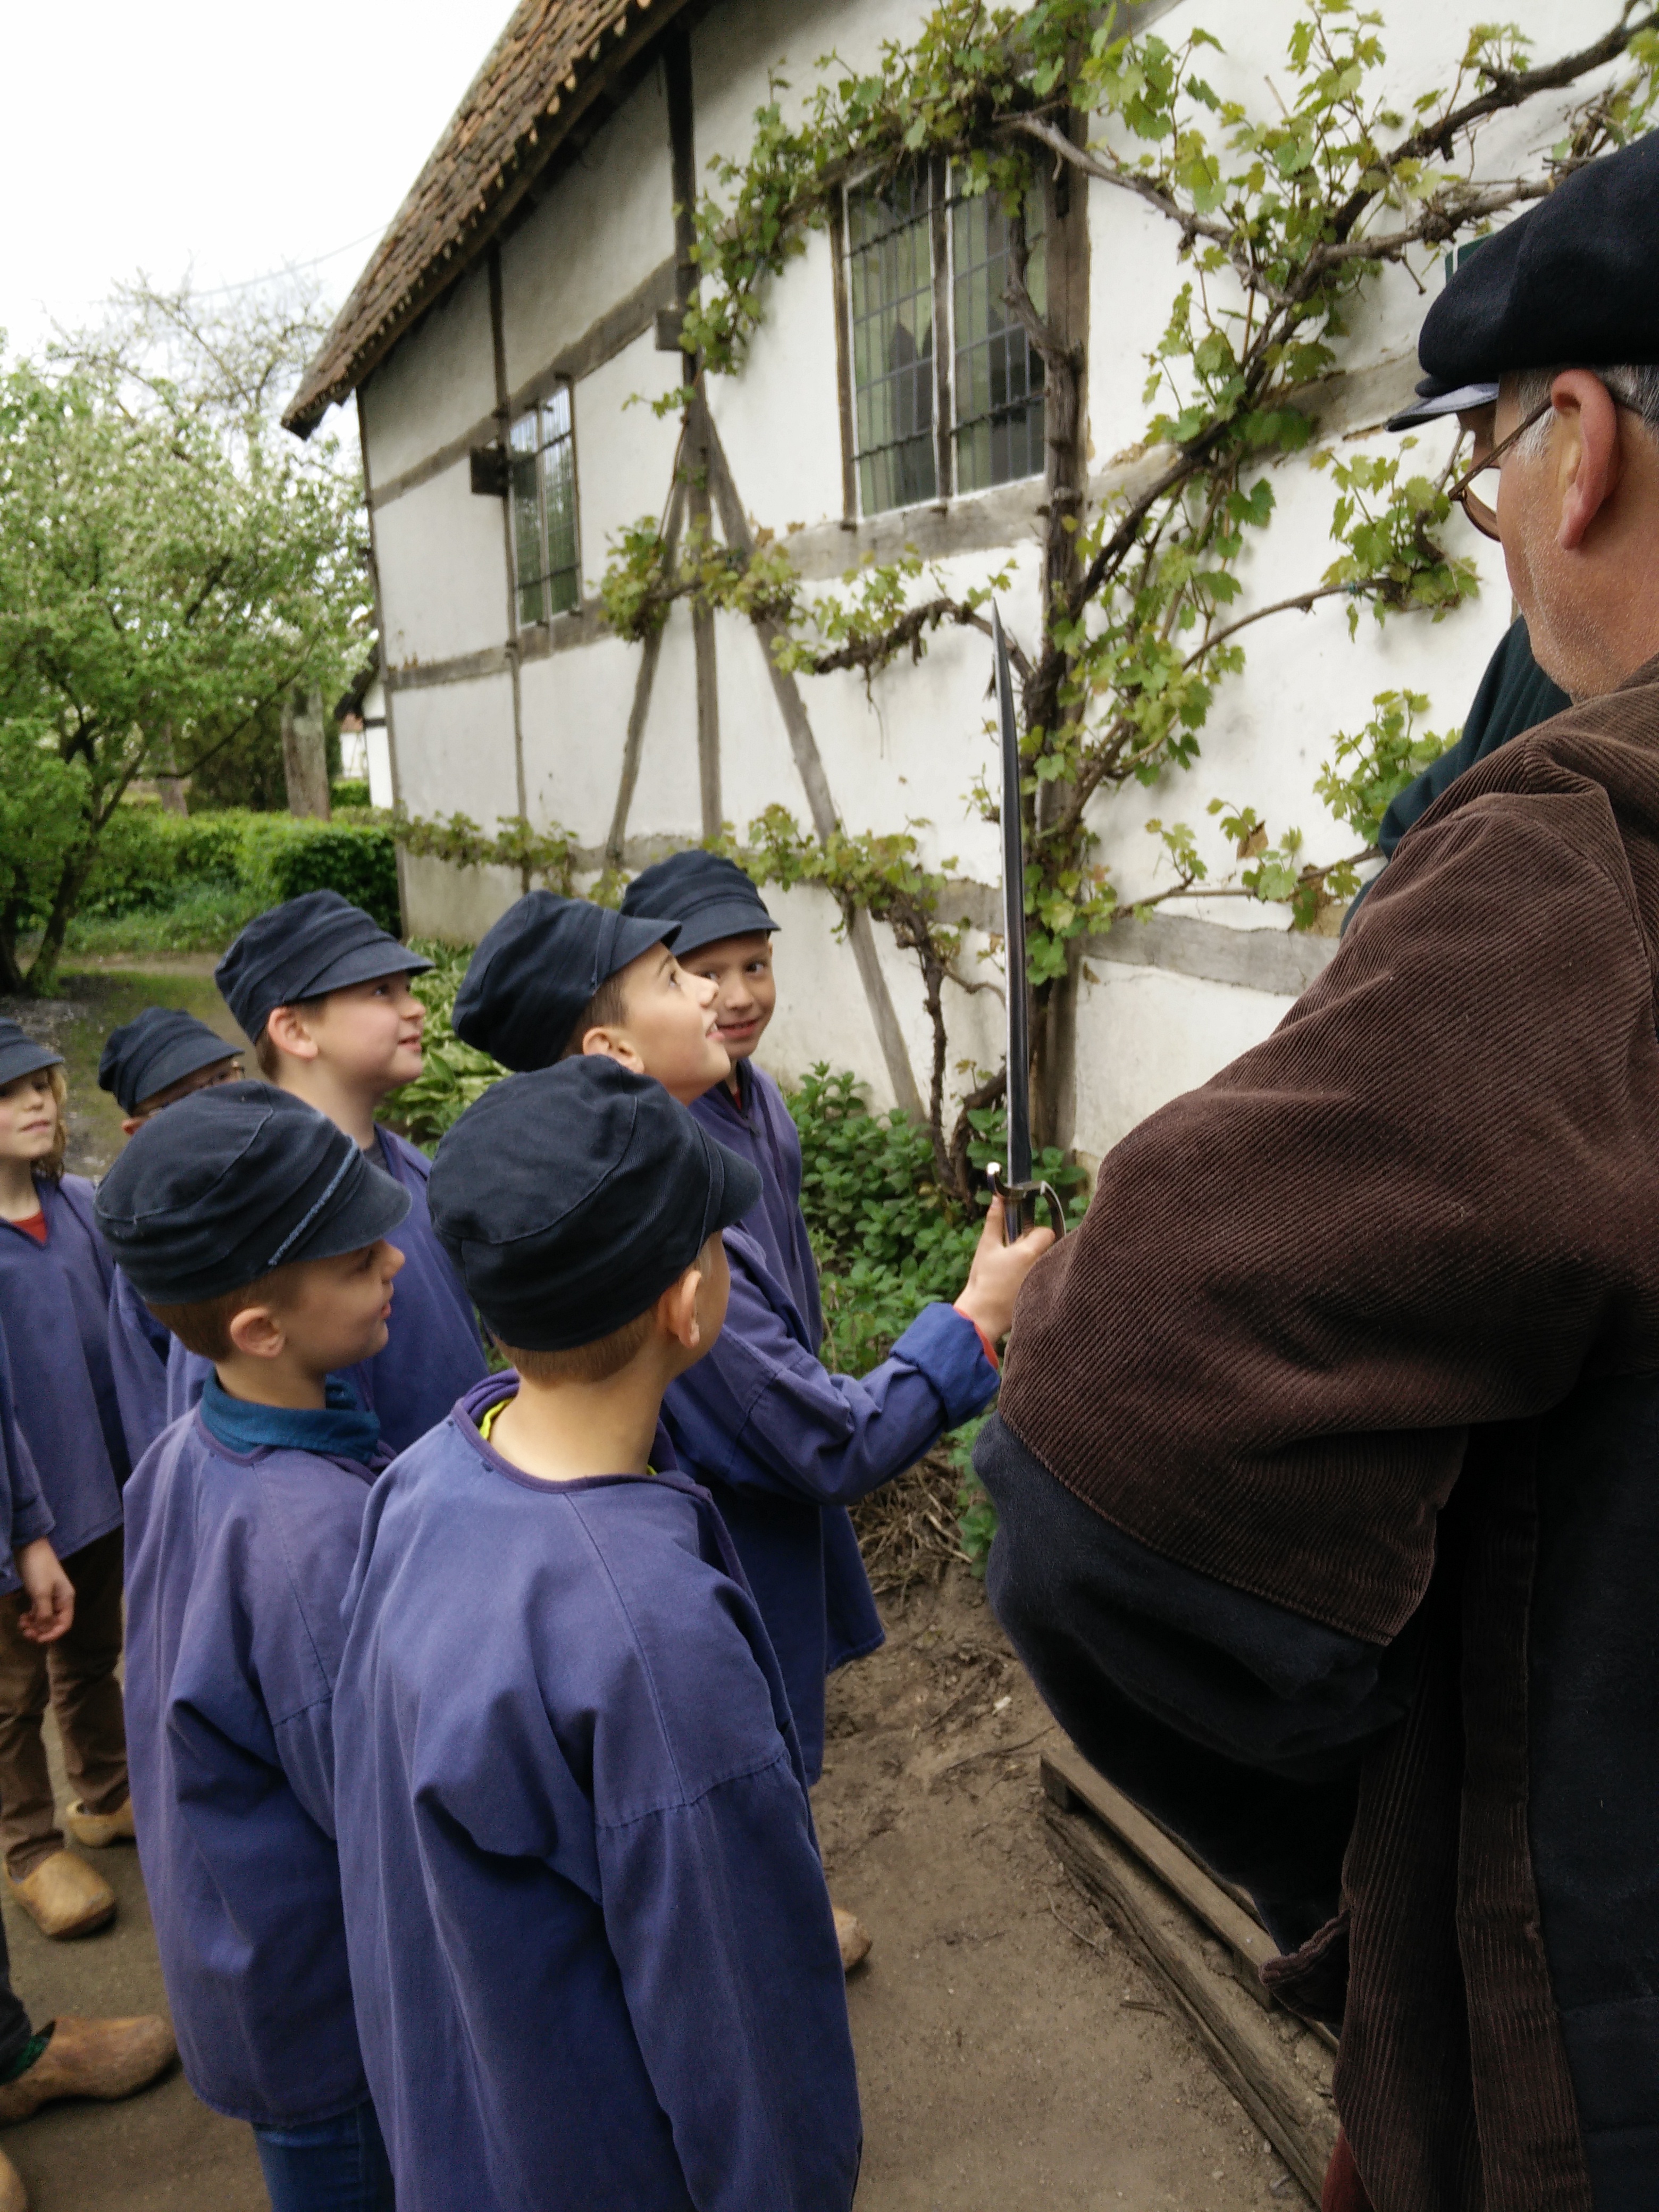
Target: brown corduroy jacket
(1321,1338)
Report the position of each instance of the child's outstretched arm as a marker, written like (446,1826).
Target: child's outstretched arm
(762,1411)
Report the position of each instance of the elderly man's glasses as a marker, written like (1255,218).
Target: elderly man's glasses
(1482,513)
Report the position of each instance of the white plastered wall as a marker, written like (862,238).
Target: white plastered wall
(910,747)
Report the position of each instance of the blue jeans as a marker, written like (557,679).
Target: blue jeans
(327,2165)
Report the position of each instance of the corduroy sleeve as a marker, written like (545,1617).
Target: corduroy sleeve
(1425,1201)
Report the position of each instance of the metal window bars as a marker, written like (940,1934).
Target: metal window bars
(545,545)
(897,291)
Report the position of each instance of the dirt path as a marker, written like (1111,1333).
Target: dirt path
(1011,2053)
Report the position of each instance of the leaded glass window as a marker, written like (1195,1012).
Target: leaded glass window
(999,373)
(917,256)
(545,554)
(891,304)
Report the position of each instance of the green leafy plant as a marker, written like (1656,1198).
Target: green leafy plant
(454,1073)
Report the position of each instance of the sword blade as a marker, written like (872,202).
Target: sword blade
(1013,935)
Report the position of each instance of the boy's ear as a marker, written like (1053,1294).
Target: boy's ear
(131,1123)
(614,1044)
(677,1310)
(256,1332)
(289,1031)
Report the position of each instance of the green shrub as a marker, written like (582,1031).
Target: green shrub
(293,857)
(150,862)
(454,1075)
(351,791)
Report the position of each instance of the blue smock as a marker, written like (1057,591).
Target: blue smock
(139,1348)
(432,1354)
(25,1515)
(589,1931)
(783,1446)
(239,1547)
(758,1124)
(54,1314)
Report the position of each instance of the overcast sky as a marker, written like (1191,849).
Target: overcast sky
(222,139)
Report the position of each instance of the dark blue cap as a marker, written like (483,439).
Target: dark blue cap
(1573,281)
(708,895)
(20,1054)
(537,967)
(572,1197)
(233,1182)
(154,1050)
(302,949)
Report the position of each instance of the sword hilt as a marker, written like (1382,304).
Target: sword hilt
(1019,1202)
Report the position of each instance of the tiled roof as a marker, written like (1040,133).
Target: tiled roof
(541,76)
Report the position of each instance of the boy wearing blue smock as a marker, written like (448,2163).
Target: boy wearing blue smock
(322,992)
(258,1232)
(595,1965)
(783,1446)
(55,1286)
(162,1055)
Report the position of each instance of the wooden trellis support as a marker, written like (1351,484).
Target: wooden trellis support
(1202,1945)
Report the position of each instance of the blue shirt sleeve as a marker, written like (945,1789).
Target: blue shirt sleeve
(706,1903)
(29,1518)
(762,1411)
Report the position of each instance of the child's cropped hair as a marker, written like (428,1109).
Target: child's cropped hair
(606,1009)
(203,1325)
(583,1363)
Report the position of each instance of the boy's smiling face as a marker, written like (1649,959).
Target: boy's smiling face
(745,988)
(668,1027)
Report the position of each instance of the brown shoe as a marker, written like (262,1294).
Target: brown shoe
(90,2059)
(64,1896)
(97,1830)
(14,2197)
(851,1935)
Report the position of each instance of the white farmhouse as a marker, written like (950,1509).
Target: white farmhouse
(523,300)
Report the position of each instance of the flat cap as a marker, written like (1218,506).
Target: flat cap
(708,895)
(154,1050)
(570,1198)
(1574,281)
(20,1054)
(537,967)
(302,949)
(233,1182)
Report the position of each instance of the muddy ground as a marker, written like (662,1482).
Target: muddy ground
(1011,2053)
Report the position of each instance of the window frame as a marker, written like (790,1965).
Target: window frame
(534,410)
(939,219)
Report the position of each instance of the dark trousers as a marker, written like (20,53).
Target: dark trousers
(78,1674)
(327,2165)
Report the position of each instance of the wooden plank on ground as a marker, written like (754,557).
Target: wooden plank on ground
(1276,2067)
(1068,1778)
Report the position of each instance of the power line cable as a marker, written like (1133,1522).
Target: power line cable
(292,268)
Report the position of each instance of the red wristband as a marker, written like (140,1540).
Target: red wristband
(988,1348)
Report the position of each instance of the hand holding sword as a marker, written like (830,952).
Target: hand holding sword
(1017,1191)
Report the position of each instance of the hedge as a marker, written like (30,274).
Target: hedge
(149,860)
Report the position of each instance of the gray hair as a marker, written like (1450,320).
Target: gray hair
(1633,387)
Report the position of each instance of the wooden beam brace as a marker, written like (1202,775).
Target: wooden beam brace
(634,742)
(809,764)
